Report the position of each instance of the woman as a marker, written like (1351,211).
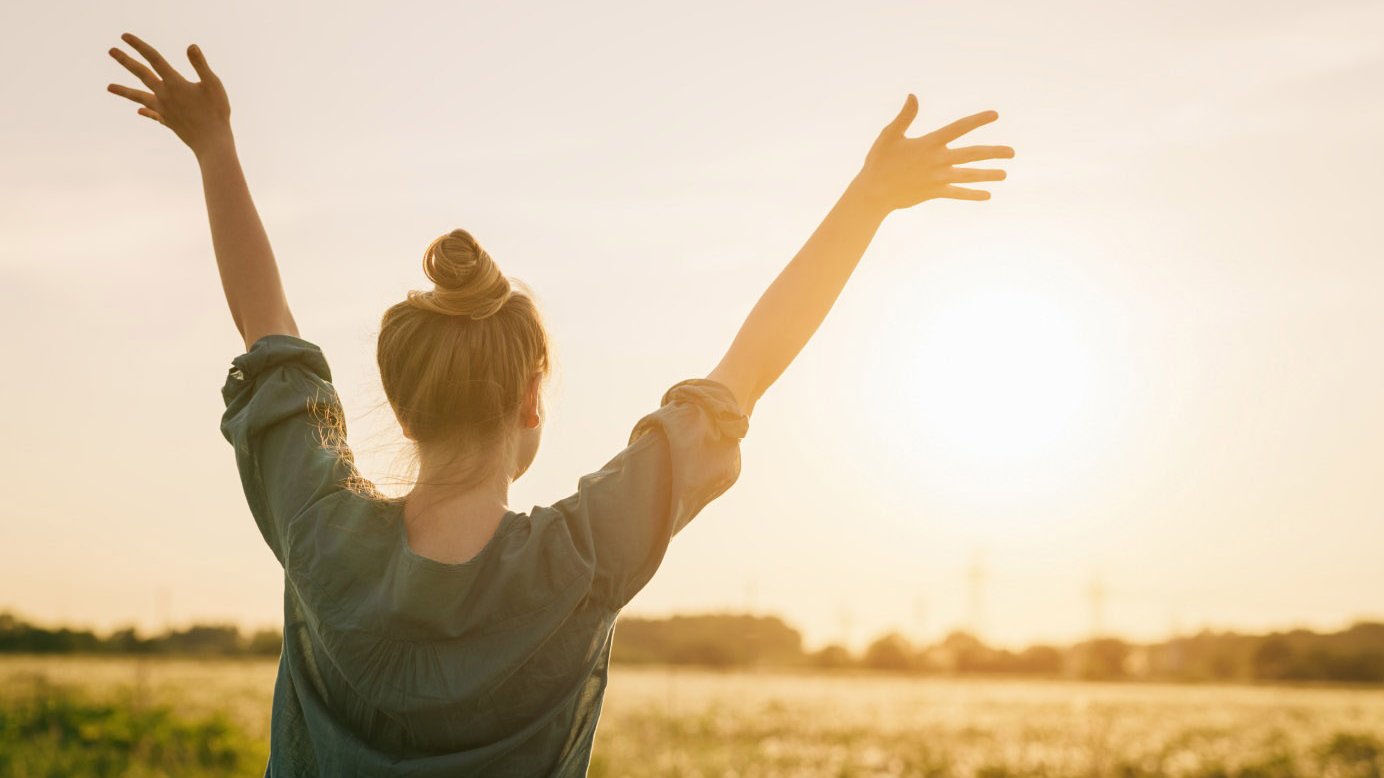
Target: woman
(442,633)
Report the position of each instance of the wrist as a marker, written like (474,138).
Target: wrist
(220,145)
(863,197)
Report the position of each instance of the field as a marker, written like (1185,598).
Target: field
(210,717)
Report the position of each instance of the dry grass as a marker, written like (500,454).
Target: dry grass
(659,721)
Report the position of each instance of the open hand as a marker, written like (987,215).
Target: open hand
(901,172)
(198,113)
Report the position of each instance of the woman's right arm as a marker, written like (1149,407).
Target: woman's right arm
(199,113)
(899,172)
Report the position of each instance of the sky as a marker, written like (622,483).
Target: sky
(1138,391)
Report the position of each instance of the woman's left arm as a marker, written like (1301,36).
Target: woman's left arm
(200,115)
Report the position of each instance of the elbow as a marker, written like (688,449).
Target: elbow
(253,330)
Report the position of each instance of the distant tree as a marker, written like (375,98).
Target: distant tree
(127,641)
(1354,655)
(966,653)
(717,640)
(1039,660)
(202,639)
(1102,658)
(1367,632)
(1273,659)
(266,642)
(960,640)
(890,652)
(1369,666)
(1365,666)
(1223,665)
(18,636)
(832,657)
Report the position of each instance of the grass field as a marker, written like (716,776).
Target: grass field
(211,717)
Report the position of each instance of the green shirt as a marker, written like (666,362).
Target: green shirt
(396,664)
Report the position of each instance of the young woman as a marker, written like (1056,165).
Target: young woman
(443,633)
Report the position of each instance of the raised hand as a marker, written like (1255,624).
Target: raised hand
(199,113)
(901,172)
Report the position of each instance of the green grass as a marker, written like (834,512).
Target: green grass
(54,730)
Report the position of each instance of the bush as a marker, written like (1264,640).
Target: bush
(1349,753)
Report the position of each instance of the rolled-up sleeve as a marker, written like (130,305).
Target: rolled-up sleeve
(679,458)
(284,420)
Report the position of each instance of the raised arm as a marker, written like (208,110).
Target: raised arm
(899,172)
(200,115)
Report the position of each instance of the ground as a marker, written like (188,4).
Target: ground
(686,722)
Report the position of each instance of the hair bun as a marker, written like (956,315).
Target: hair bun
(467,282)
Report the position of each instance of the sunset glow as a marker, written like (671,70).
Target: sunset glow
(1154,353)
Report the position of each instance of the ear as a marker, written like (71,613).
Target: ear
(528,413)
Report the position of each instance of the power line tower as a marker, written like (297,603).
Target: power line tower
(1174,622)
(163,608)
(975,579)
(846,622)
(1096,594)
(920,617)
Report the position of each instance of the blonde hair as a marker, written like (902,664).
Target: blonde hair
(455,360)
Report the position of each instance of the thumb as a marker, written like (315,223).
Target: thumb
(199,63)
(906,116)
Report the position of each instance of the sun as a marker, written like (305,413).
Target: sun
(1001,374)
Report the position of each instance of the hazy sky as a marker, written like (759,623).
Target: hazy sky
(1151,362)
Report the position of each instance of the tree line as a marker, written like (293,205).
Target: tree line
(733,640)
(20,637)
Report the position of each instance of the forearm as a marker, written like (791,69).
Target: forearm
(797,302)
(244,258)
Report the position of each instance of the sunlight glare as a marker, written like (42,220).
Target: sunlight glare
(1002,374)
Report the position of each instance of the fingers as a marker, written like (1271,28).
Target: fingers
(967,175)
(143,98)
(152,114)
(976,153)
(156,59)
(962,126)
(199,63)
(962,193)
(906,116)
(141,72)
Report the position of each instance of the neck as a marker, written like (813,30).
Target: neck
(449,521)
(446,485)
